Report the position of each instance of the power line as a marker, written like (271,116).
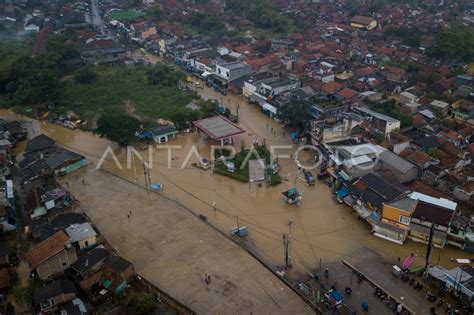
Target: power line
(328,232)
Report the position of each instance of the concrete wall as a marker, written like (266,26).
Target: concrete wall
(392,215)
(57,264)
(400,147)
(88,242)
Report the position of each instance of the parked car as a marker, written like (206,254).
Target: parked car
(308,177)
(323,175)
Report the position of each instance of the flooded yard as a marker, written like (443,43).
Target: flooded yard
(322,230)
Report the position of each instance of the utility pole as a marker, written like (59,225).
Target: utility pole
(136,179)
(146,175)
(430,245)
(213,192)
(287,242)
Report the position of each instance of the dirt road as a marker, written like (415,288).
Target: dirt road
(174,250)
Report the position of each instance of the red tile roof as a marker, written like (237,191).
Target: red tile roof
(46,249)
(332,87)
(347,93)
(419,157)
(395,70)
(364,71)
(421,187)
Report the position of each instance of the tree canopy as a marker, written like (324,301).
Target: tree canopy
(262,13)
(408,35)
(118,127)
(85,76)
(162,75)
(206,23)
(34,80)
(391,109)
(455,43)
(295,114)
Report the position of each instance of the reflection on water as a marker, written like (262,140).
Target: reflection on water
(322,228)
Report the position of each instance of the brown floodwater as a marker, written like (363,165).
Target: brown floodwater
(321,229)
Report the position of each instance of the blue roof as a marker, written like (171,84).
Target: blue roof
(343,192)
(336,295)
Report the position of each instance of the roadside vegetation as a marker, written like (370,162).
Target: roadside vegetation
(241,166)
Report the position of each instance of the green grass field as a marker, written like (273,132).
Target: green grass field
(126,15)
(117,85)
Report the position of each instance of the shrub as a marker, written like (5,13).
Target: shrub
(275,180)
(85,76)
(143,303)
(235,176)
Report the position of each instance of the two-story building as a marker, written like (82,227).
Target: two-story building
(429,211)
(383,123)
(395,222)
(52,256)
(233,70)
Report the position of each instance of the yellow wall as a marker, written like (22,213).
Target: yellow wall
(392,215)
(357,25)
(90,241)
(369,27)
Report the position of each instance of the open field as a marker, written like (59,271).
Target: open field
(117,85)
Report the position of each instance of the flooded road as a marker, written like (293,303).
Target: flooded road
(322,230)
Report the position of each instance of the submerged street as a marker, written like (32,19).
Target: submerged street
(323,231)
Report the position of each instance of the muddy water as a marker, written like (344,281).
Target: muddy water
(321,228)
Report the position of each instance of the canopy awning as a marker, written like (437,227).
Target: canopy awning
(257,99)
(343,192)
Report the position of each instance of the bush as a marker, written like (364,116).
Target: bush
(235,176)
(118,127)
(85,76)
(24,295)
(276,180)
(143,303)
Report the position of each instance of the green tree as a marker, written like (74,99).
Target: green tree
(34,81)
(85,76)
(456,43)
(379,138)
(435,153)
(155,12)
(143,303)
(409,36)
(118,127)
(206,23)
(405,120)
(24,295)
(162,75)
(58,45)
(295,114)
(146,303)
(262,13)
